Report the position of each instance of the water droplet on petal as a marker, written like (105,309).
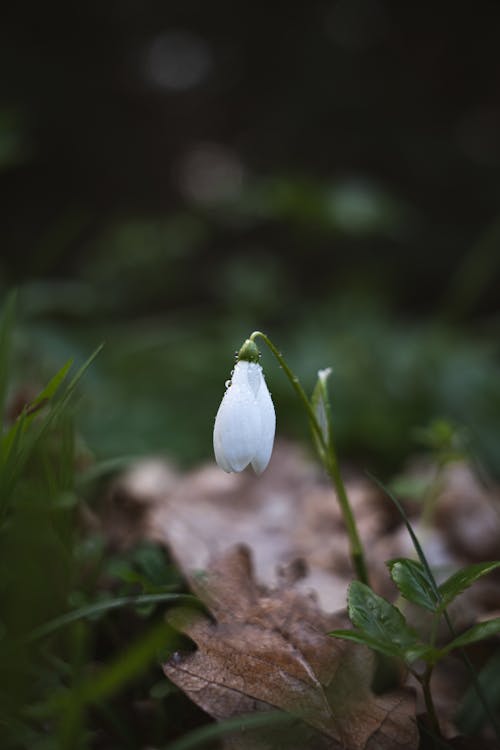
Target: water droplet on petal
(227,383)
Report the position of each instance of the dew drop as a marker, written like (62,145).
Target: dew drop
(227,383)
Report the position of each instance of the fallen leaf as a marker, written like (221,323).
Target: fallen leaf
(268,649)
(469,514)
(289,518)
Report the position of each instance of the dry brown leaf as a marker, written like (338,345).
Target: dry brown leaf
(469,514)
(289,518)
(270,649)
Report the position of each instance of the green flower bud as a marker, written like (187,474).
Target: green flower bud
(249,352)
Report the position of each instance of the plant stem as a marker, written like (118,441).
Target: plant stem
(357,554)
(329,458)
(425,681)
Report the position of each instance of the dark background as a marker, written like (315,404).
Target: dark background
(175,175)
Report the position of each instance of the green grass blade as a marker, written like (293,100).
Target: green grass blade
(6,327)
(83,369)
(70,706)
(10,467)
(18,445)
(51,388)
(257,720)
(413,536)
(98,608)
(31,410)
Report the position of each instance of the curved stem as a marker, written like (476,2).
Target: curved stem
(329,458)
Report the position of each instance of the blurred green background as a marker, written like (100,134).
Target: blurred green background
(175,175)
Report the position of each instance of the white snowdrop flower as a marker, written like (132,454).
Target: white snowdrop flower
(246,421)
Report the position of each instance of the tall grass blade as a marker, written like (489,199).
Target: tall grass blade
(91,610)
(6,327)
(258,720)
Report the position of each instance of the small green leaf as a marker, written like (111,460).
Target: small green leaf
(381,622)
(477,633)
(417,651)
(376,616)
(320,403)
(359,636)
(413,582)
(462,579)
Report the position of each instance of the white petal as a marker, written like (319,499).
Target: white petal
(238,422)
(247,375)
(267,429)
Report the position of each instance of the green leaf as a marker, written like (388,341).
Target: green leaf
(376,616)
(477,633)
(409,654)
(412,580)
(462,579)
(320,403)
(380,622)
(359,636)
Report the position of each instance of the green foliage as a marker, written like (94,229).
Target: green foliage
(61,590)
(479,632)
(415,584)
(461,580)
(159,361)
(6,324)
(381,626)
(91,610)
(241,724)
(49,411)
(412,580)
(446,441)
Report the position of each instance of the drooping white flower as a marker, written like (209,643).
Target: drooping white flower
(246,421)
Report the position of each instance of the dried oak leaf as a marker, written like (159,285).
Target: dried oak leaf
(269,649)
(287,517)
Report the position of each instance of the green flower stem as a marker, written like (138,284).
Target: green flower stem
(357,553)
(329,458)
